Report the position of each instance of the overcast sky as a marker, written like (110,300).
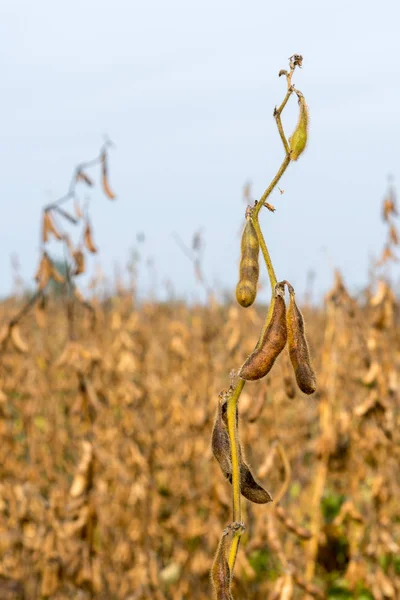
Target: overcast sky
(186,90)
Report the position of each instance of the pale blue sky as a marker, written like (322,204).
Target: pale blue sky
(186,90)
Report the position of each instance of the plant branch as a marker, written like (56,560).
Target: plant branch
(233,400)
(266,255)
(234,441)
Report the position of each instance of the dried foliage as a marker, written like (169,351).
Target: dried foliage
(109,488)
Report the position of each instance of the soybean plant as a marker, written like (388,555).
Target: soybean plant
(280,327)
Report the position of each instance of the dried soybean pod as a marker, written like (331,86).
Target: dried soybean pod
(246,289)
(298,140)
(220,572)
(220,442)
(273,341)
(298,348)
(249,487)
(221,448)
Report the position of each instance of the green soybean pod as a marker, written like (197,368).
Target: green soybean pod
(246,289)
(298,140)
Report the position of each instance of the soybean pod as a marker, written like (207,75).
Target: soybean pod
(298,347)
(273,341)
(246,289)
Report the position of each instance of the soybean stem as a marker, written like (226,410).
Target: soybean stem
(271,186)
(234,398)
(264,250)
(234,441)
(282,133)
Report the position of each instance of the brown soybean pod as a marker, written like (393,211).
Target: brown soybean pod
(221,448)
(273,341)
(246,289)
(220,572)
(298,348)
(220,442)
(249,487)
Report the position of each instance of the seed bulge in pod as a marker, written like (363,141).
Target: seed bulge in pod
(298,348)
(298,140)
(246,289)
(273,341)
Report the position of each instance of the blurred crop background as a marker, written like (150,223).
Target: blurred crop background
(108,488)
